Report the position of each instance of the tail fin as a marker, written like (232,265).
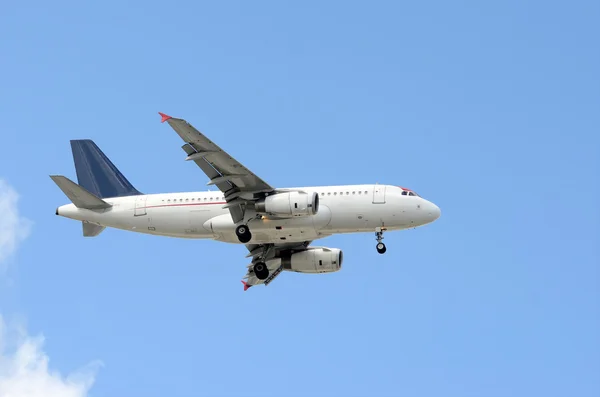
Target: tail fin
(78,195)
(97,174)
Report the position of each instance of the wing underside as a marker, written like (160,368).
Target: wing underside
(238,184)
(241,187)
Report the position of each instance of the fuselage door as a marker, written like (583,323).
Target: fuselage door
(378,194)
(140,205)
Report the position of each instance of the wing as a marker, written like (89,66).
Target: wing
(271,255)
(238,184)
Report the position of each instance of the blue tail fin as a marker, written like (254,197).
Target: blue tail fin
(97,174)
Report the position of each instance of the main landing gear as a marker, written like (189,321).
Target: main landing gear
(379,236)
(243,233)
(261,270)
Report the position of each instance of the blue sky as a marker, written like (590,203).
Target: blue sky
(489,109)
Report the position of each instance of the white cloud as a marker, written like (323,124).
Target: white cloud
(13,228)
(24,369)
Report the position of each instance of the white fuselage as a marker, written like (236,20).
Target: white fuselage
(343,209)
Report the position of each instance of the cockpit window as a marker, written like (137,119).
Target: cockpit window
(409,193)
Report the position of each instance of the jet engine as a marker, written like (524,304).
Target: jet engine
(314,260)
(289,204)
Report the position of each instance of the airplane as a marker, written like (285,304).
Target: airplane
(277,225)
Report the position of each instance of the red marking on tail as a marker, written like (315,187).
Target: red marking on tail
(246,286)
(165,117)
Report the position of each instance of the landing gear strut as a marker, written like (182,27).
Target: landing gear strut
(243,233)
(261,270)
(379,236)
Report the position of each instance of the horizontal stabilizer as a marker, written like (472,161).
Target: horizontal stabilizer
(78,195)
(91,229)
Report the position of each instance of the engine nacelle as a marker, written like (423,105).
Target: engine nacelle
(314,260)
(289,204)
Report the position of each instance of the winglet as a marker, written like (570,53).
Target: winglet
(246,286)
(165,117)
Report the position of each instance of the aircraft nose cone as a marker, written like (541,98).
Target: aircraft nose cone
(433,211)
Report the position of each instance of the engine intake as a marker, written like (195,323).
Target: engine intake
(289,204)
(314,260)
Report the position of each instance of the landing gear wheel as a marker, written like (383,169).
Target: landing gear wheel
(261,270)
(243,233)
(379,236)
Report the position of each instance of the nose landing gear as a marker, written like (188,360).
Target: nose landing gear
(379,236)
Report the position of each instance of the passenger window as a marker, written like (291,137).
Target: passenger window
(335,193)
(365,192)
(353,192)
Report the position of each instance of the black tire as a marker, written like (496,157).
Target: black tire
(381,248)
(241,230)
(261,271)
(243,233)
(245,238)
